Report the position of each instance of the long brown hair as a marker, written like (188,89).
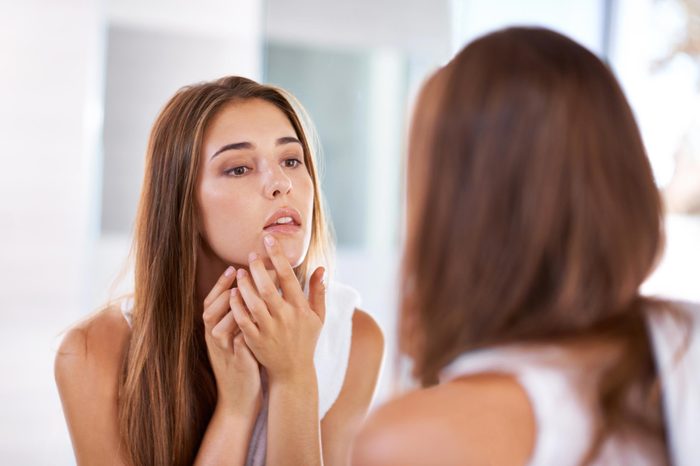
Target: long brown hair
(167,389)
(533,214)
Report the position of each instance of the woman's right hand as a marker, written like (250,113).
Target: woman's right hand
(236,370)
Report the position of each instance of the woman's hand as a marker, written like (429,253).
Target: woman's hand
(280,330)
(236,371)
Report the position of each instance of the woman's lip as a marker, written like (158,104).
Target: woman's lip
(282,228)
(284,212)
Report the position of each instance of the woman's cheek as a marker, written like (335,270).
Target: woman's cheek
(234,236)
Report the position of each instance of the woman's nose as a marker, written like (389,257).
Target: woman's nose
(277,183)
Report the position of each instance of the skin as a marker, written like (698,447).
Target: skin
(249,183)
(478,420)
(248,325)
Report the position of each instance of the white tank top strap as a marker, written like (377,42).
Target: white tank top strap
(126,307)
(330,359)
(563,394)
(549,390)
(333,346)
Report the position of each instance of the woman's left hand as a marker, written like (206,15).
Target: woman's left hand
(280,330)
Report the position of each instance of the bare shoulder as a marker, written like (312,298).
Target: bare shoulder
(343,420)
(89,358)
(484,419)
(365,360)
(96,343)
(366,353)
(367,336)
(87,367)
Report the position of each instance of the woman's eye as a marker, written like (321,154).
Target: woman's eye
(236,171)
(292,163)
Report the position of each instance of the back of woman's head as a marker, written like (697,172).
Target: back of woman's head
(533,214)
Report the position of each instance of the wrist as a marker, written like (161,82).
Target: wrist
(233,422)
(236,410)
(302,378)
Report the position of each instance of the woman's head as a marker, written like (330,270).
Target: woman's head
(532,211)
(224,160)
(253,180)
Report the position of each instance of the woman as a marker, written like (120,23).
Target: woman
(533,219)
(220,358)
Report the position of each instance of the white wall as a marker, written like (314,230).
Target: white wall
(52,62)
(666,103)
(416,26)
(154,48)
(581,20)
(50,56)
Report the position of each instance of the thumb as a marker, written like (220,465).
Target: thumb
(317,293)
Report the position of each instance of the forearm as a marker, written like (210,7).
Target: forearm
(294,433)
(226,439)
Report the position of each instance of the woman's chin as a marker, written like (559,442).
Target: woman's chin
(293,250)
(295,258)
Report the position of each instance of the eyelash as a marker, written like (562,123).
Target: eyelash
(231,171)
(297,162)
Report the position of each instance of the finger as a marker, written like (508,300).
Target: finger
(222,284)
(215,312)
(223,332)
(317,293)
(264,284)
(291,289)
(240,313)
(252,300)
(240,347)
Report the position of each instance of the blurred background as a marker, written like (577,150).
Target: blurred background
(81,81)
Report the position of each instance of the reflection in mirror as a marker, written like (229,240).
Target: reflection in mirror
(148,56)
(356,66)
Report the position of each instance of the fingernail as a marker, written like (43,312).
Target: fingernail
(234,291)
(241,273)
(229,271)
(269,240)
(252,256)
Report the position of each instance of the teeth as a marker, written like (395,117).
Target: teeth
(282,220)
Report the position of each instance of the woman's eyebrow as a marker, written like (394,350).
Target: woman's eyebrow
(288,140)
(247,145)
(233,146)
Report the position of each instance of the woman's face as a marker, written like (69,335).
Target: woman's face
(253,182)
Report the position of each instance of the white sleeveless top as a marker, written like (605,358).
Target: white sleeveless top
(330,358)
(563,397)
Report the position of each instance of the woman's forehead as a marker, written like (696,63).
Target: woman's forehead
(251,118)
